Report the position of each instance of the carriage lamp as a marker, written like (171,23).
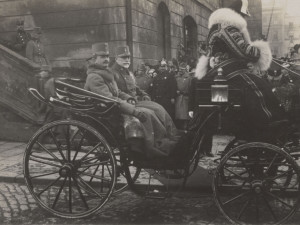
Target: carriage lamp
(219,90)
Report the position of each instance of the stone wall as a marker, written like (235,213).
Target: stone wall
(69,26)
(145,25)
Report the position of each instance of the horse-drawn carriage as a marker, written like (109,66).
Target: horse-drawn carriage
(73,166)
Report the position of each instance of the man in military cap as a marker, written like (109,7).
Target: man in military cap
(21,39)
(184,81)
(124,77)
(35,49)
(101,80)
(163,89)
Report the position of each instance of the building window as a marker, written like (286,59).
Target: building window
(163,32)
(190,36)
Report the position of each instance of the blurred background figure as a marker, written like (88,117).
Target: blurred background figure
(35,50)
(22,38)
(182,100)
(253,69)
(143,79)
(163,89)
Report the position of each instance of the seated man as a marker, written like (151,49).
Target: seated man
(228,35)
(158,139)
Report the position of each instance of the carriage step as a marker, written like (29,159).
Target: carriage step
(155,194)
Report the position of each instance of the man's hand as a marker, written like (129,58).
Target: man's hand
(140,115)
(131,101)
(172,100)
(191,114)
(146,98)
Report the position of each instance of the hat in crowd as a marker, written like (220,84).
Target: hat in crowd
(296,47)
(241,7)
(182,65)
(20,22)
(100,48)
(141,67)
(163,62)
(35,30)
(285,65)
(122,51)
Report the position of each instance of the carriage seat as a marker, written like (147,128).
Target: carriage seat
(73,98)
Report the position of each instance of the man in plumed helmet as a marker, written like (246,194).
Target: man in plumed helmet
(229,39)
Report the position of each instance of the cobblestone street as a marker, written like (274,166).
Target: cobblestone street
(18,207)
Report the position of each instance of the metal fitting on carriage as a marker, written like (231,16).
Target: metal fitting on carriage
(132,127)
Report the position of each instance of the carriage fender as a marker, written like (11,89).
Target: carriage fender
(132,127)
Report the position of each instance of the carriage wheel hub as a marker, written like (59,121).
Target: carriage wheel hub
(257,186)
(66,170)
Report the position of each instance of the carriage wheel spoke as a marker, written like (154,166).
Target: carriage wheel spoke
(244,163)
(79,146)
(43,175)
(58,194)
(92,189)
(271,163)
(43,162)
(278,199)
(95,171)
(67,136)
(280,175)
(244,208)
(70,194)
(90,151)
(256,209)
(52,183)
(270,208)
(95,164)
(95,176)
(50,153)
(237,197)
(80,193)
(236,175)
(57,145)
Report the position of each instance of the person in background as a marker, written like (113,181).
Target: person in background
(159,133)
(22,38)
(182,100)
(163,90)
(124,77)
(35,49)
(143,79)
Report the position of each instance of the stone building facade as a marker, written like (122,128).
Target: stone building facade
(153,29)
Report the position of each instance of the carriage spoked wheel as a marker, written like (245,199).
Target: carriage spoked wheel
(250,184)
(134,172)
(69,169)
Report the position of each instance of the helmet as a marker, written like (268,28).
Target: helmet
(241,7)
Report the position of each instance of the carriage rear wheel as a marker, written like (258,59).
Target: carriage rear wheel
(250,185)
(69,169)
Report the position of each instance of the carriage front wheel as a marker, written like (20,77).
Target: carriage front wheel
(250,184)
(69,169)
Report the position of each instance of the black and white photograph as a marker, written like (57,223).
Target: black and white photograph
(159,112)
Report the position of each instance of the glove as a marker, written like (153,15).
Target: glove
(140,115)
(131,101)
(191,114)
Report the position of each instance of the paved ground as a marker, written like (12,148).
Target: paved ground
(17,206)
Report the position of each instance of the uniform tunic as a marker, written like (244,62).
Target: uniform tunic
(22,39)
(163,89)
(182,99)
(35,51)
